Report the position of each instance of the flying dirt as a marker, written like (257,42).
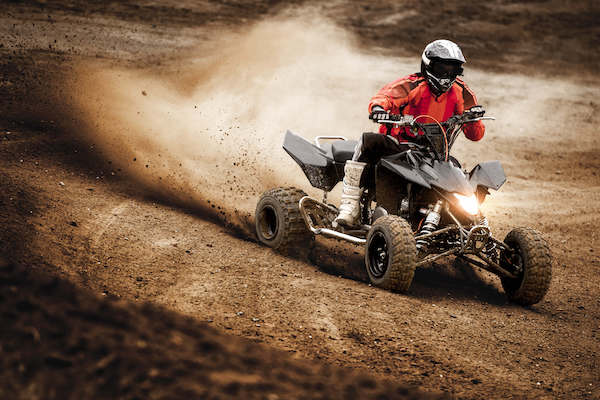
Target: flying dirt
(207,129)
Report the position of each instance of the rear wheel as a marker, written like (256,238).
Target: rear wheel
(531,261)
(278,221)
(391,254)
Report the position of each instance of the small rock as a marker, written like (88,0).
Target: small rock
(144,93)
(73,223)
(240,313)
(475,381)
(139,279)
(61,183)
(255,319)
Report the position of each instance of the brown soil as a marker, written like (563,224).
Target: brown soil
(75,207)
(63,342)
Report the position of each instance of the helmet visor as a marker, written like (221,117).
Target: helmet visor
(446,70)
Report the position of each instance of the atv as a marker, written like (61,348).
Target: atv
(418,206)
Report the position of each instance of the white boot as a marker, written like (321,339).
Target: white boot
(349,207)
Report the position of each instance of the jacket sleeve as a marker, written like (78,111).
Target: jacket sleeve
(473,130)
(391,97)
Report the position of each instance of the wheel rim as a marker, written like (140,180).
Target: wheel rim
(378,255)
(268,224)
(515,264)
(514,261)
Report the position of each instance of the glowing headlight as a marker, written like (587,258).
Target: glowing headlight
(468,203)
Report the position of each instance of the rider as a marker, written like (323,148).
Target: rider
(433,95)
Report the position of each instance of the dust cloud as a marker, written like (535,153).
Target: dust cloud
(206,129)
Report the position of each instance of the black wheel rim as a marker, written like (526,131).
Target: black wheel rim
(378,255)
(267,223)
(514,263)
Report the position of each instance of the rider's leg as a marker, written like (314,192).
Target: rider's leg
(349,207)
(370,148)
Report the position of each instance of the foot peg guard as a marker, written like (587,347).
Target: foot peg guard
(318,216)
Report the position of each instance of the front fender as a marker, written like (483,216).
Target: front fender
(489,174)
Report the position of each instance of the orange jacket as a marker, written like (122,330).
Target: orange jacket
(411,96)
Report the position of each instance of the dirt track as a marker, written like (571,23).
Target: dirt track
(114,230)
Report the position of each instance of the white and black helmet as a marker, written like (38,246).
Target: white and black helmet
(441,63)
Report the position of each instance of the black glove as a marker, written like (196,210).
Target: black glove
(378,114)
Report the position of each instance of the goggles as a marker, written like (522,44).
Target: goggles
(446,70)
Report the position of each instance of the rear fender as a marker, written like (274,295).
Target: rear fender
(316,163)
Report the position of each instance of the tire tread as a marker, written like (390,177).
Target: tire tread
(294,231)
(401,269)
(538,272)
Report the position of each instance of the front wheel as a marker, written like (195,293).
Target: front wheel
(531,260)
(278,221)
(391,254)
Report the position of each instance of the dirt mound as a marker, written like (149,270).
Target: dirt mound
(61,342)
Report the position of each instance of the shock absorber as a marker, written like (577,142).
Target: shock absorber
(483,221)
(432,220)
(490,246)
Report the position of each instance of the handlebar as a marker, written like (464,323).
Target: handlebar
(457,120)
(448,130)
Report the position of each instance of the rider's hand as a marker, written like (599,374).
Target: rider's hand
(476,111)
(378,114)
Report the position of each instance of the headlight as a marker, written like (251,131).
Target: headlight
(468,203)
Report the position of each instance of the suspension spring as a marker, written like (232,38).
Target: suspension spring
(432,220)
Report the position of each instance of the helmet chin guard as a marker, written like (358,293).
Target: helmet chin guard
(439,85)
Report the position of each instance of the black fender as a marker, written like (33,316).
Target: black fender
(489,174)
(316,163)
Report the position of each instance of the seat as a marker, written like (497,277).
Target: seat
(343,150)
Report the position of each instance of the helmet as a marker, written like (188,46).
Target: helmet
(441,63)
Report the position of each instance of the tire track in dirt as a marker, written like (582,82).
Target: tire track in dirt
(104,222)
